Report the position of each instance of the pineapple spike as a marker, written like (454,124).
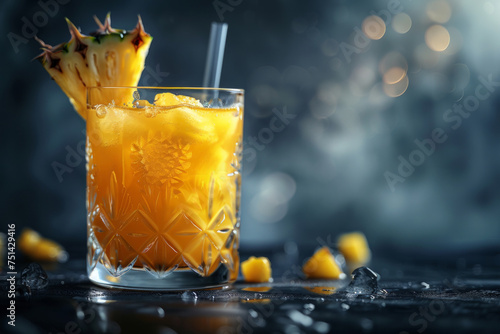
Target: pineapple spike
(45,47)
(75,32)
(140,33)
(106,27)
(140,27)
(40,56)
(99,23)
(107,22)
(77,37)
(43,44)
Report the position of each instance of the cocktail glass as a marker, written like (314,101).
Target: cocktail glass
(163,186)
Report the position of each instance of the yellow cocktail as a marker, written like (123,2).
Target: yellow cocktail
(163,186)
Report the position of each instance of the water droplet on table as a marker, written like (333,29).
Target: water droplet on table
(308,308)
(189,296)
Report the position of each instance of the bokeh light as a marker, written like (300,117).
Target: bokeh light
(437,38)
(439,11)
(391,60)
(394,67)
(270,204)
(401,23)
(373,27)
(398,88)
(394,75)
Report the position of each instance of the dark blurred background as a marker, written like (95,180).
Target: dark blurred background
(393,126)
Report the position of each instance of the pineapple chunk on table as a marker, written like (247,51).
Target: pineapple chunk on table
(40,249)
(322,265)
(256,269)
(354,247)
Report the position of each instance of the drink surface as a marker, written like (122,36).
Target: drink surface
(163,188)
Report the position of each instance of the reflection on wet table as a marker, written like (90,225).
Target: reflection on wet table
(400,295)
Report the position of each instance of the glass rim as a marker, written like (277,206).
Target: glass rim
(232,90)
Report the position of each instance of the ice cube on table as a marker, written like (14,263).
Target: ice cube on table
(364,282)
(34,277)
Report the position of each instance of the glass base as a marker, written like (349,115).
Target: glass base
(139,279)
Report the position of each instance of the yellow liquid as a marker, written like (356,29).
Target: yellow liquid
(163,187)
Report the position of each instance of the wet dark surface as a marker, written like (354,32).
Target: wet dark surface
(415,294)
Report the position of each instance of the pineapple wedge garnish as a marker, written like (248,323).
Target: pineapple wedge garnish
(106,58)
